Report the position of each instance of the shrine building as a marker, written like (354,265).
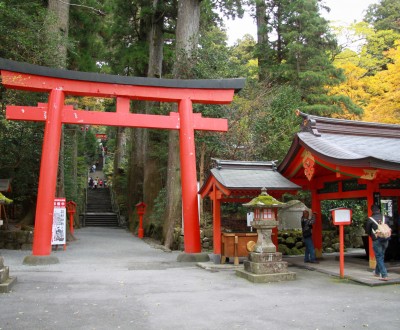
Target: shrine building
(239,182)
(344,159)
(334,159)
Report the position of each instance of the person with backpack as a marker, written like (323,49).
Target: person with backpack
(306,227)
(379,244)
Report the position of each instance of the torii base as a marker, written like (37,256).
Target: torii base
(265,267)
(40,260)
(193,257)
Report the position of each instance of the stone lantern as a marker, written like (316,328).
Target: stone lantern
(264,263)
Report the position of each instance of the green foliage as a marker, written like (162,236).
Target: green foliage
(384,15)
(302,195)
(234,209)
(23,33)
(358,207)
(75,174)
(298,47)
(87,32)
(21,167)
(262,123)
(160,205)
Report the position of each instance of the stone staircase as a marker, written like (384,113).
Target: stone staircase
(99,212)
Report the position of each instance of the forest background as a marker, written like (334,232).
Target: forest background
(296,62)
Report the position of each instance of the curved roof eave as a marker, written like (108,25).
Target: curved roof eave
(293,150)
(355,160)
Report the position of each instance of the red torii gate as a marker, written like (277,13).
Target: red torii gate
(59,83)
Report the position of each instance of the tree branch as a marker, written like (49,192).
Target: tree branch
(97,11)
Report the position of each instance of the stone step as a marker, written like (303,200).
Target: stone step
(101,219)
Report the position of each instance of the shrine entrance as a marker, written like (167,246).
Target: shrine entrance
(61,83)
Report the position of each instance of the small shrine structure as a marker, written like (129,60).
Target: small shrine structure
(345,159)
(232,181)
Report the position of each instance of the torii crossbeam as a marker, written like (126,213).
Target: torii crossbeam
(59,83)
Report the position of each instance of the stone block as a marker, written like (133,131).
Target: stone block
(265,278)
(6,286)
(265,257)
(40,260)
(193,257)
(266,267)
(4,274)
(26,247)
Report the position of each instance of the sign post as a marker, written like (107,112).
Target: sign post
(58,236)
(341,217)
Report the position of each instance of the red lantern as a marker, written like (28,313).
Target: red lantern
(140,209)
(71,209)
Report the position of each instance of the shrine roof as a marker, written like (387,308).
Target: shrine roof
(248,175)
(347,142)
(235,84)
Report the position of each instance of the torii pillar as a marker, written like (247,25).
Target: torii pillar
(59,83)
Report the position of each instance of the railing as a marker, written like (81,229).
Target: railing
(84,208)
(116,209)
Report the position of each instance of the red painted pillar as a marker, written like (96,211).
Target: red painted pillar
(217,221)
(189,178)
(370,202)
(48,175)
(317,228)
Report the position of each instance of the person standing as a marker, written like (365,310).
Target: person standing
(378,244)
(306,227)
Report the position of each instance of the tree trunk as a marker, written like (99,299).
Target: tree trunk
(152,182)
(262,39)
(75,162)
(60,189)
(187,30)
(201,176)
(60,11)
(120,147)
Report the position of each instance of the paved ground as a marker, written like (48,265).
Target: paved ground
(109,279)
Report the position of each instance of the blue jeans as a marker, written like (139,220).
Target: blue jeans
(309,254)
(379,249)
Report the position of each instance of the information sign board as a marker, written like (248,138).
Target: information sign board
(58,236)
(341,216)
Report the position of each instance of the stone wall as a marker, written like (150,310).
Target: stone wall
(16,239)
(290,242)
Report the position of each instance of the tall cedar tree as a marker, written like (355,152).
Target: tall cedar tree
(187,30)
(59,13)
(152,168)
(297,53)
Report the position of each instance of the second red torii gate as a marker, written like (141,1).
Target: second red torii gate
(59,83)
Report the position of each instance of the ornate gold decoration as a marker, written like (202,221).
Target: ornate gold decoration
(308,164)
(369,174)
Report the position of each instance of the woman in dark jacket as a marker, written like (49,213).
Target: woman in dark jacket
(306,226)
(379,244)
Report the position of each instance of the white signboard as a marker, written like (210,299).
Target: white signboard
(341,216)
(58,236)
(250,218)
